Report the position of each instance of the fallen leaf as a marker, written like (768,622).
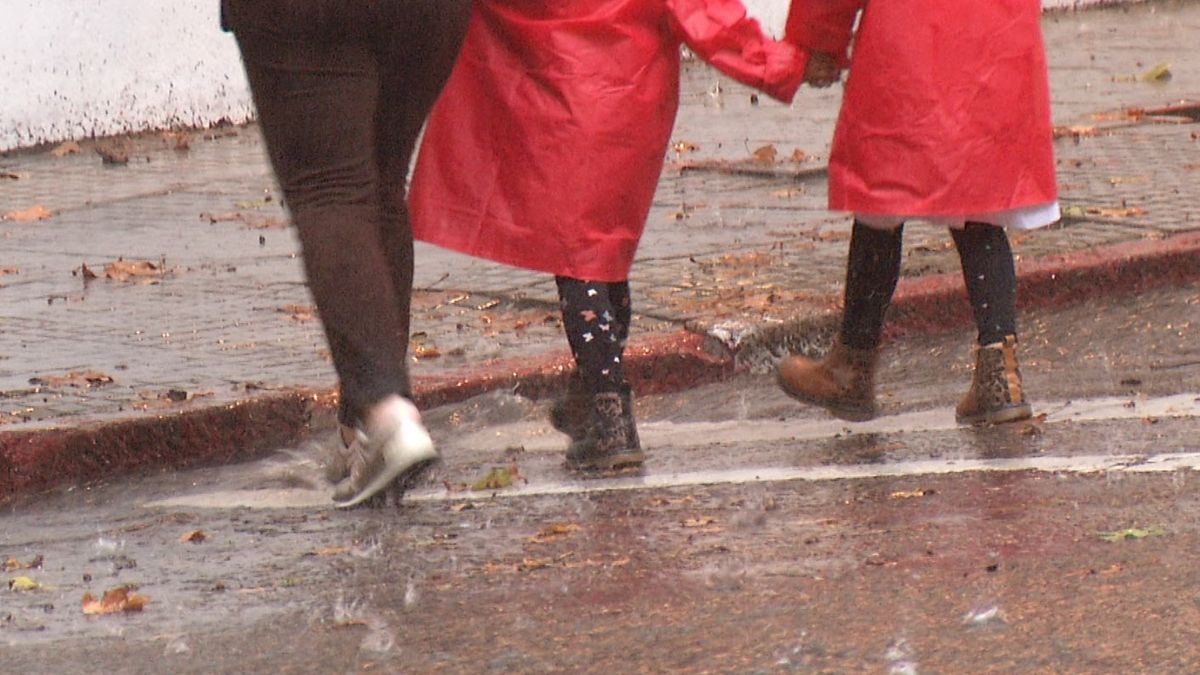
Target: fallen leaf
(300,313)
(766,154)
(30,214)
(12,563)
(333,550)
(1159,73)
(8,175)
(1102,211)
(1131,533)
(111,154)
(1122,180)
(533,564)
(1074,132)
(799,156)
(23,584)
(496,479)
(63,149)
(194,537)
(698,522)
(124,270)
(554,532)
(80,379)
(119,599)
(909,494)
(223,217)
(179,140)
(9,270)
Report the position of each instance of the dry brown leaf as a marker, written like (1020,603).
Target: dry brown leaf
(1074,132)
(300,313)
(766,154)
(193,537)
(554,532)
(124,270)
(179,140)
(30,214)
(909,494)
(64,149)
(76,378)
(799,156)
(698,522)
(9,270)
(119,599)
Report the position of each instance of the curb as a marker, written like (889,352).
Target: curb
(37,459)
(938,303)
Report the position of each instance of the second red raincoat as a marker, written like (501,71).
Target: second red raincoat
(946,110)
(545,148)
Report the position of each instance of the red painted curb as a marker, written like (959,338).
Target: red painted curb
(39,458)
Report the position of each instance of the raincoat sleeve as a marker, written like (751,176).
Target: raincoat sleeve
(823,26)
(720,32)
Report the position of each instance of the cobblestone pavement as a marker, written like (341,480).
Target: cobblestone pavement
(172,281)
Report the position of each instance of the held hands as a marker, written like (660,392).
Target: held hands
(822,70)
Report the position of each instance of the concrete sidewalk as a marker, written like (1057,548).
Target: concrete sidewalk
(158,315)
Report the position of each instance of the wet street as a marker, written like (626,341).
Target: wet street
(762,536)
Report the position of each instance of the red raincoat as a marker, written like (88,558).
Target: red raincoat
(545,148)
(946,110)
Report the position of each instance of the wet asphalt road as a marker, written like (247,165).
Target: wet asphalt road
(763,537)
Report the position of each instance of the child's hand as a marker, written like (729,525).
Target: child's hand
(822,70)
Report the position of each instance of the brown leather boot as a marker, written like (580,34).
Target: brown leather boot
(843,383)
(996,395)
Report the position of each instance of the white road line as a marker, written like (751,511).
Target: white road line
(667,434)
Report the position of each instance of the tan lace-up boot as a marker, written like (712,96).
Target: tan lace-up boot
(996,395)
(843,383)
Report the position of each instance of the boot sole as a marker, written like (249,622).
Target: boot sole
(1014,413)
(848,413)
(406,454)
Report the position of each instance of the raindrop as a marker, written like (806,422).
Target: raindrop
(985,615)
(176,646)
(411,595)
(106,545)
(899,656)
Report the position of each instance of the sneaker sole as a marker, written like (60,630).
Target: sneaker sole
(1014,413)
(401,457)
(850,414)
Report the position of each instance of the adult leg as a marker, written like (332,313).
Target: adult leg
(844,382)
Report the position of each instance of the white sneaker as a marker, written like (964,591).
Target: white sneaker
(396,447)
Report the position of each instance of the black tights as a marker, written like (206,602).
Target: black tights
(596,316)
(873,269)
(342,88)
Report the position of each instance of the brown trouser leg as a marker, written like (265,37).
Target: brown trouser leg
(342,88)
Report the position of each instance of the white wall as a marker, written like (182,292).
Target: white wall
(77,68)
